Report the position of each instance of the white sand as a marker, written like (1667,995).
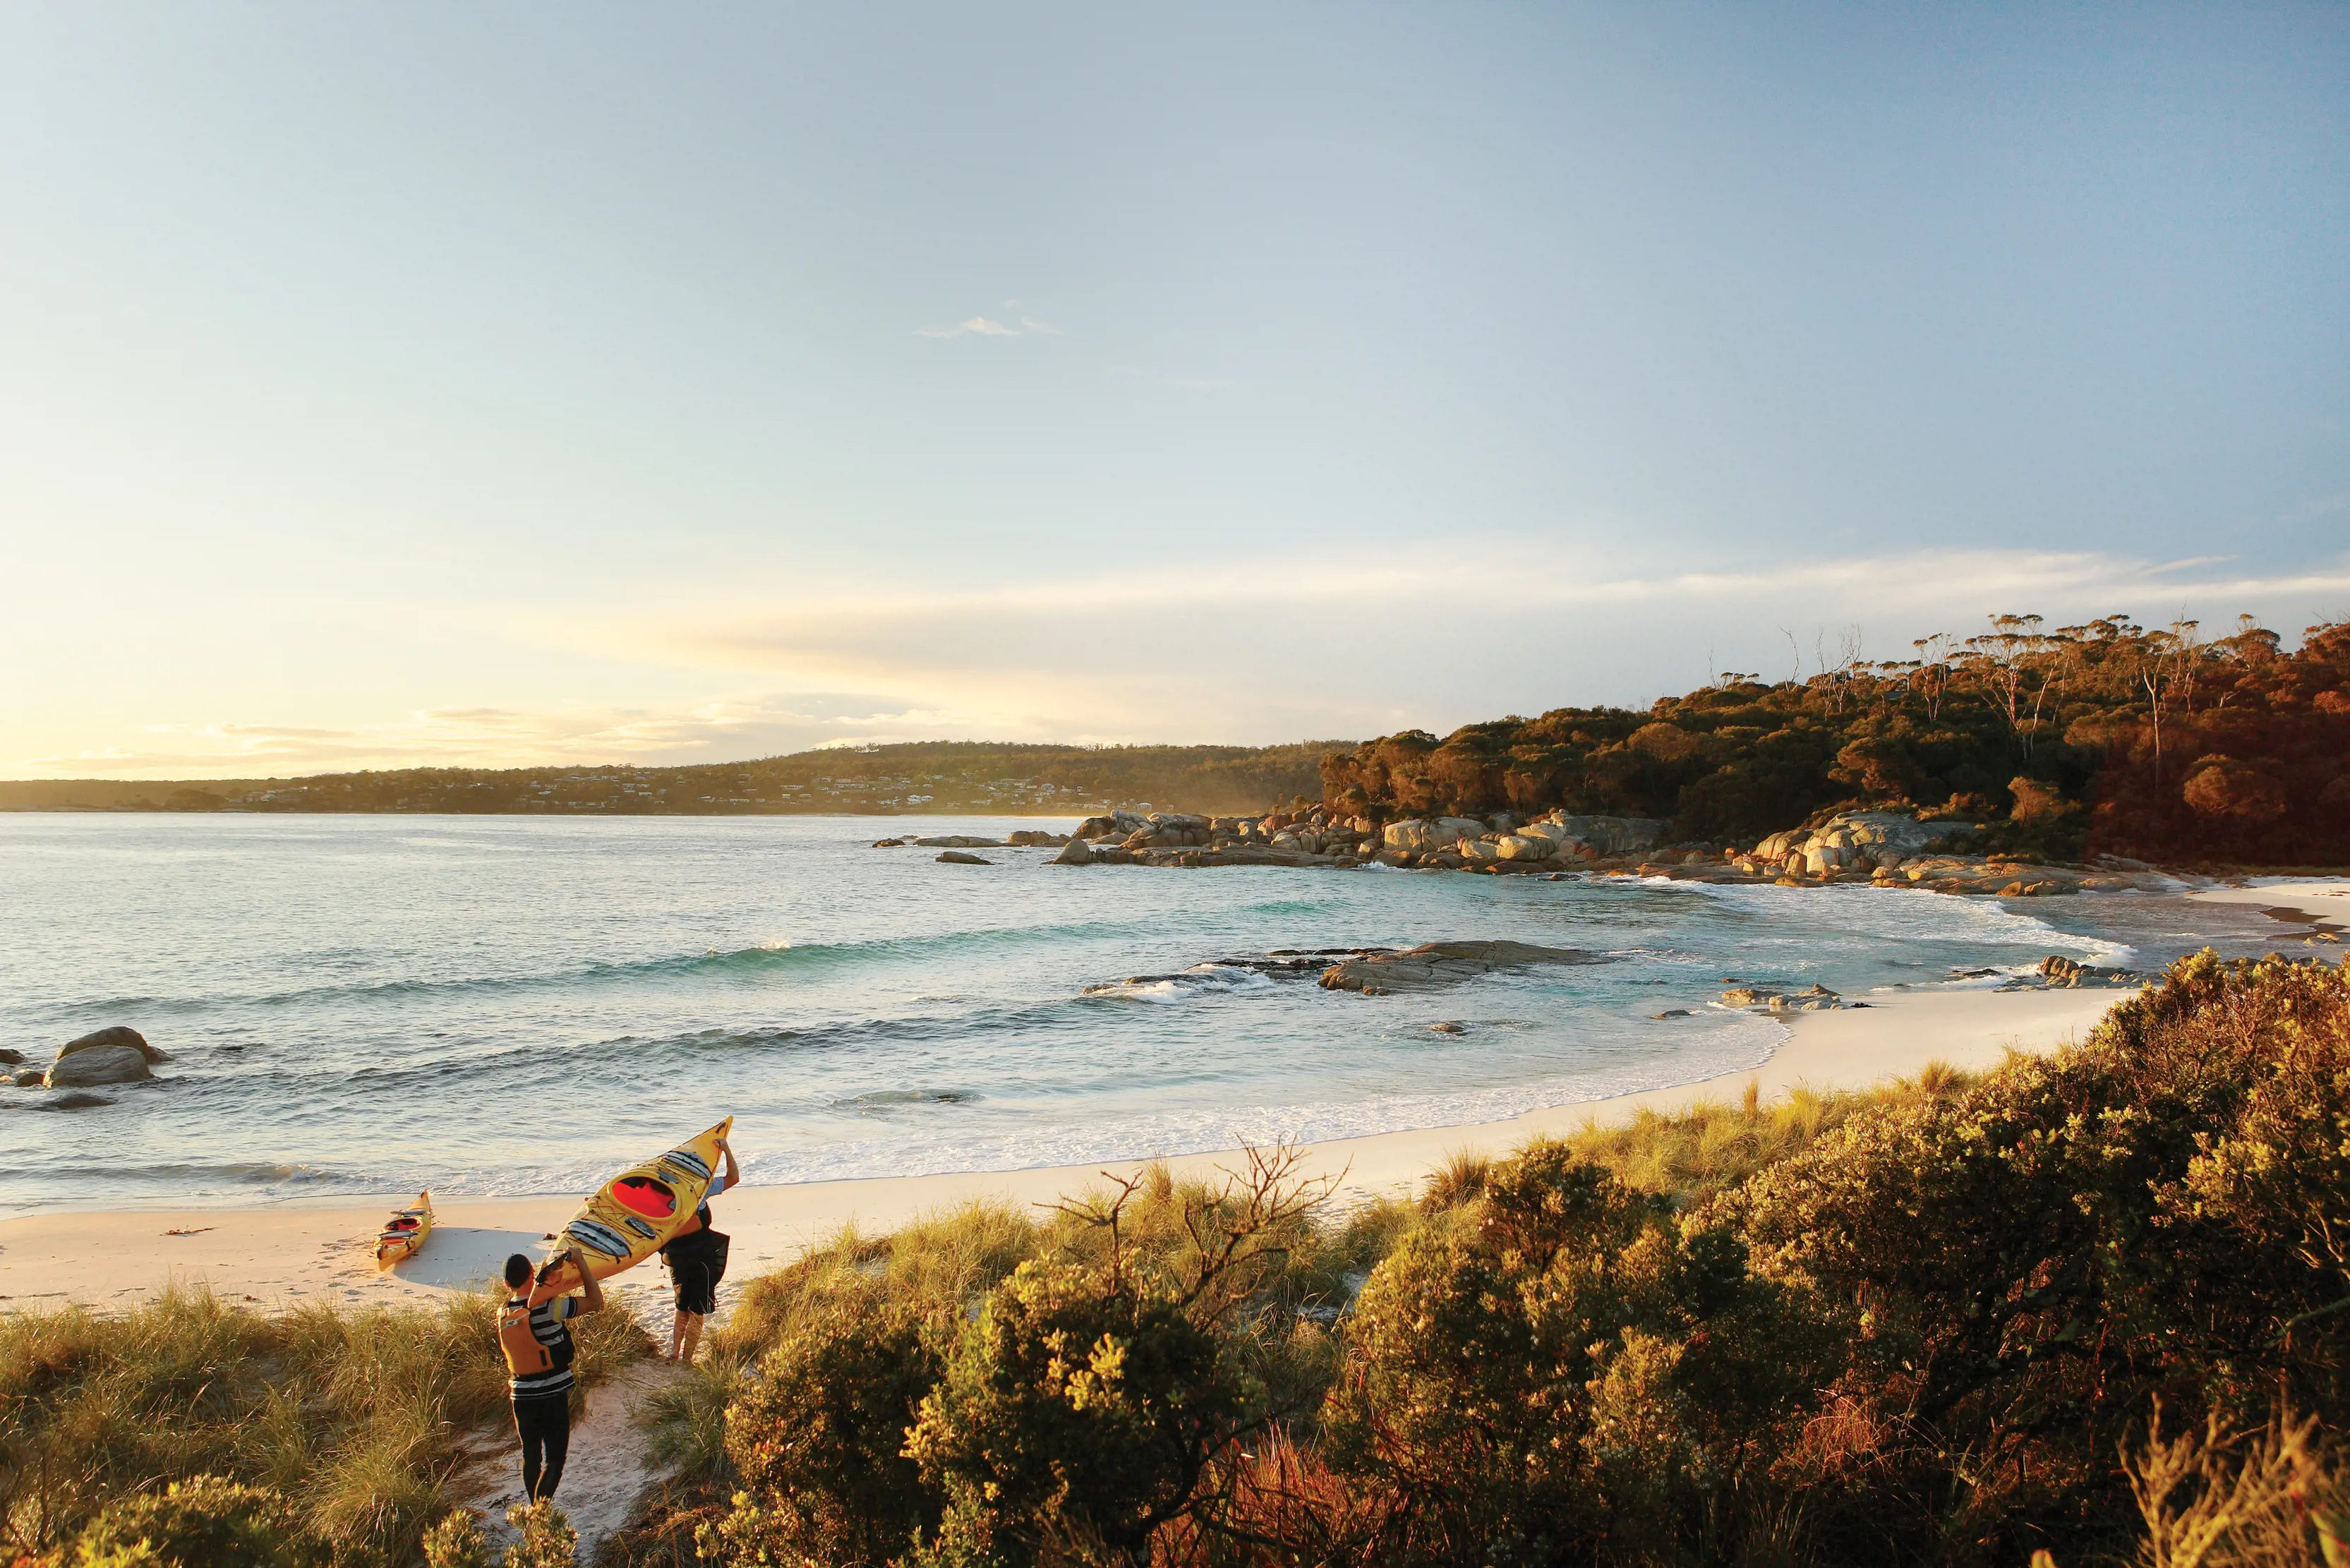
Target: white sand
(297,1252)
(2323,901)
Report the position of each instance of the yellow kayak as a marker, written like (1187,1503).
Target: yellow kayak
(404,1232)
(626,1220)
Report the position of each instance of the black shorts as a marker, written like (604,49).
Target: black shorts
(696,1291)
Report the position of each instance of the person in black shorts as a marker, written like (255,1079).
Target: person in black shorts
(696,1258)
(534,1336)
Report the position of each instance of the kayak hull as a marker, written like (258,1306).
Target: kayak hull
(627,1219)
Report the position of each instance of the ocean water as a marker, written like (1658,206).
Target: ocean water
(497,1006)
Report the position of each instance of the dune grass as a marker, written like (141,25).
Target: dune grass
(357,1416)
(1698,1153)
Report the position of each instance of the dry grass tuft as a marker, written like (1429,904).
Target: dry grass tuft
(2224,1498)
(355,1415)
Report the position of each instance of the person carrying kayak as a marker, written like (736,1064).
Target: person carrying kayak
(696,1259)
(534,1336)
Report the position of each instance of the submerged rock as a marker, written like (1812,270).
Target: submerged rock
(958,841)
(11,1058)
(76,1101)
(1433,964)
(957,857)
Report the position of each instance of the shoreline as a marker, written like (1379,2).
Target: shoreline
(290,1254)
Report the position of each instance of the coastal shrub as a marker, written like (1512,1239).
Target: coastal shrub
(206,1522)
(991,1387)
(1078,1410)
(2022,1270)
(818,1439)
(543,1537)
(457,1541)
(1565,1370)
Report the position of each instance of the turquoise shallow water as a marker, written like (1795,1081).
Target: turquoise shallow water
(503,1005)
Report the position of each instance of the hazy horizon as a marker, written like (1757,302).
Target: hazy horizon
(432,387)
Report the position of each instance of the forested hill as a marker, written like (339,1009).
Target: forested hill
(2100,737)
(928,776)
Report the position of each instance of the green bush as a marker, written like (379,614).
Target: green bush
(207,1522)
(819,1440)
(989,1389)
(457,1543)
(544,1536)
(1079,1409)
(1565,1369)
(2023,1269)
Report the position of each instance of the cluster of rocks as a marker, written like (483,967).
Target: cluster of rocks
(1862,841)
(1766,999)
(1323,837)
(1889,849)
(114,1055)
(1884,848)
(1434,964)
(2057,972)
(1374,972)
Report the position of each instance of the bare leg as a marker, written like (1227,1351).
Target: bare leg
(688,1325)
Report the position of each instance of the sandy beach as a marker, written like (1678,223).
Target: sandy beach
(294,1253)
(2324,904)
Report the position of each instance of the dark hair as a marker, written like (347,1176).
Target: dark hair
(517,1270)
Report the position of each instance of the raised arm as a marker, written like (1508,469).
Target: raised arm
(733,1171)
(594,1287)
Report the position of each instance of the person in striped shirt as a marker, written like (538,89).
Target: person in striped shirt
(533,1335)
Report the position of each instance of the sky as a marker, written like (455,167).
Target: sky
(518,384)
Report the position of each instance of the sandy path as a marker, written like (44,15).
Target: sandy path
(296,1251)
(606,1471)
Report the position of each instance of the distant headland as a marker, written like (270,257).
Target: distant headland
(930,777)
(2107,737)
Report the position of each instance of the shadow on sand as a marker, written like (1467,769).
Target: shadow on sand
(463,1258)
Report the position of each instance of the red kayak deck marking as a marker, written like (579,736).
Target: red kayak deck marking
(643,1194)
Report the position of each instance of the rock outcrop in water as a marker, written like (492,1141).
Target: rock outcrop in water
(2057,972)
(1434,964)
(115,1055)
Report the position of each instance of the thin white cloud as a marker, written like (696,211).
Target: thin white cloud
(978,325)
(1033,325)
